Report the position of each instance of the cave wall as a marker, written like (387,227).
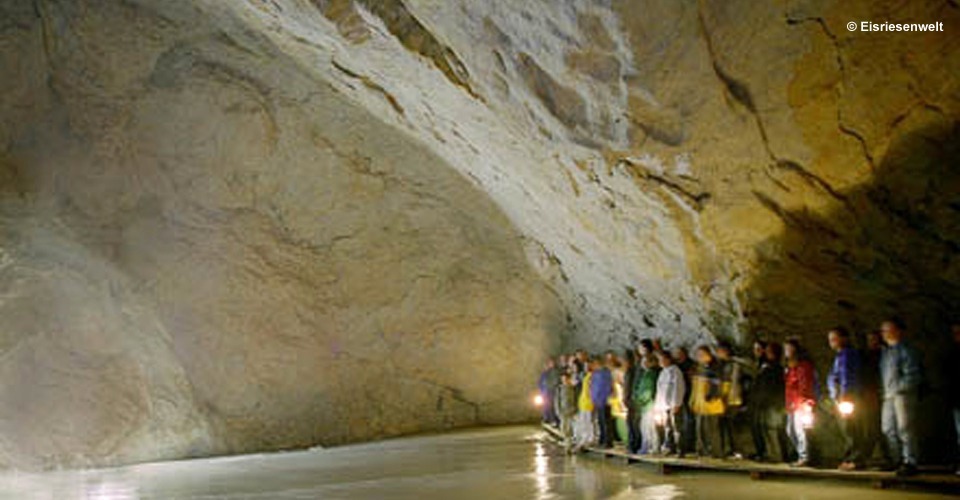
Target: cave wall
(263,224)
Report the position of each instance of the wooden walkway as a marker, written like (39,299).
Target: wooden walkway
(945,481)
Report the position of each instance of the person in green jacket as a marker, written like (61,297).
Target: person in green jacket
(644,394)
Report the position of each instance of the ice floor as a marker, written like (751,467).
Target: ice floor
(497,463)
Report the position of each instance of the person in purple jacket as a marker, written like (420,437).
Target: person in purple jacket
(601,387)
(843,382)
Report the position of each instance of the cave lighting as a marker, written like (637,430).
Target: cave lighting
(846,408)
(659,415)
(538,400)
(806,417)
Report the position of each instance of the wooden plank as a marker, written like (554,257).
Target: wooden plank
(759,471)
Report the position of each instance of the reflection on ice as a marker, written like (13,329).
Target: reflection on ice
(109,490)
(541,470)
(504,462)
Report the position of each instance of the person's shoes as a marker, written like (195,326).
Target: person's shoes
(847,466)
(799,463)
(907,470)
(734,456)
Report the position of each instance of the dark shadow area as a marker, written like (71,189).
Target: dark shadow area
(892,248)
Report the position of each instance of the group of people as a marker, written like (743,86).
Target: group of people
(659,401)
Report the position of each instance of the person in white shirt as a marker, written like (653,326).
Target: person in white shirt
(671,394)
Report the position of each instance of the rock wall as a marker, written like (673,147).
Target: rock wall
(246,225)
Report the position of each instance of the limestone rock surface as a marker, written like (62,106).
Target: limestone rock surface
(233,226)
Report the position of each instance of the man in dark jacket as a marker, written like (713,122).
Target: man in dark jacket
(756,420)
(768,402)
(843,382)
(901,373)
(688,423)
(631,375)
(870,396)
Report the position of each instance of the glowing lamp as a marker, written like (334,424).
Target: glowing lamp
(846,408)
(659,415)
(806,417)
(538,400)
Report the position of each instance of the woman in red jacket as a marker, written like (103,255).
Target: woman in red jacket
(800,381)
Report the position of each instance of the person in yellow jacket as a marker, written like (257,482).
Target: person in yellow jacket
(584,433)
(706,403)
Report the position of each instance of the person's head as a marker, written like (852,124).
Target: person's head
(680,354)
(892,330)
(838,338)
(581,355)
(550,363)
(566,378)
(791,350)
(955,330)
(664,358)
(874,341)
(759,348)
(704,356)
(562,360)
(774,352)
(645,348)
(595,363)
(724,350)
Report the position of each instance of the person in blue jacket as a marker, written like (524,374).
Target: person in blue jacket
(843,383)
(901,373)
(601,387)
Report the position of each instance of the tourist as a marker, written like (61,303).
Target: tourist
(601,387)
(670,398)
(584,428)
(954,394)
(871,389)
(548,383)
(731,376)
(688,422)
(644,396)
(843,384)
(631,372)
(644,350)
(800,399)
(768,400)
(567,408)
(581,363)
(706,403)
(901,374)
(756,419)
(618,408)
